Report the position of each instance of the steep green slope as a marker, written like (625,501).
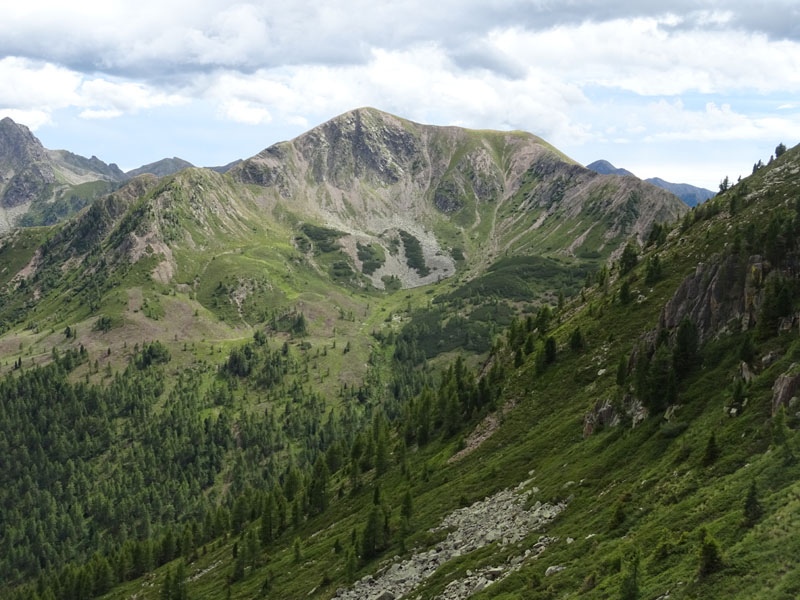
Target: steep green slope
(288,494)
(294,427)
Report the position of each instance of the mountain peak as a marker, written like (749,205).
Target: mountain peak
(160,168)
(606,168)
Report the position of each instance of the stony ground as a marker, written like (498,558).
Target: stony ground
(502,518)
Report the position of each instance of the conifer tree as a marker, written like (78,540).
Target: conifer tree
(407,508)
(629,588)
(711,452)
(752,507)
(297,550)
(709,555)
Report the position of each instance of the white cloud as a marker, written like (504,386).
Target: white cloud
(33,85)
(420,84)
(639,56)
(105,97)
(577,72)
(242,111)
(671,121)
(32,119)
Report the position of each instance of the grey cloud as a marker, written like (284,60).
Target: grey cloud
(250,36)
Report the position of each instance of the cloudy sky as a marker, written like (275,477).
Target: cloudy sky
(689,91)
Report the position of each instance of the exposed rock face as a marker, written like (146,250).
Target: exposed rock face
(785,388)
(500,518)
(714,295)
(720,292)
(30,173)
(25,171)
(370,172)
(605,414)
(92,168)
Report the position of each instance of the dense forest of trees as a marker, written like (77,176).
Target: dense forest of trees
(108,482)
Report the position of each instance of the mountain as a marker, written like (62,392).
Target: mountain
(207,394)
(482,193)
(689,194)
(45,184)
(160,168)
(226,168)
(606,168)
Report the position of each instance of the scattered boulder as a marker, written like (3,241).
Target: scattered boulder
(553,569)
(785,387)
(745,373)
(770,359)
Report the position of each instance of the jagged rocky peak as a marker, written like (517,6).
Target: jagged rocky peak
(18,145)
(25,171)
(361,144)
(79,168)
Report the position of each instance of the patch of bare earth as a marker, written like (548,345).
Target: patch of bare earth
(482,432)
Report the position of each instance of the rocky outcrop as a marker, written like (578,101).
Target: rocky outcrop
(501,518)
(31,174)
(605,414)
(785,387)
(25,171)
(716,294)
(602,415)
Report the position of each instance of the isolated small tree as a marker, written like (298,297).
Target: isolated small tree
(625,293)
(747,350)
(297,550)
(653,270)
(617,515)
(529,344)
(711,452)
(779,149)
(576,340)
(266,586)
(752,507)
(351,565)
(724,185)
(687,340)
(629,588)
(407,508)
(781,435)
(622,370)
(372,536)
(709,555)
(629,258)
(550,350)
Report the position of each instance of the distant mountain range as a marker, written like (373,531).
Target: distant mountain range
(40,186)
(160,168)
(690,194)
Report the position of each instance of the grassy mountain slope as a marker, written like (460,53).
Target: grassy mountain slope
(644,496)
(364,202)
(654,509)
(283,377)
